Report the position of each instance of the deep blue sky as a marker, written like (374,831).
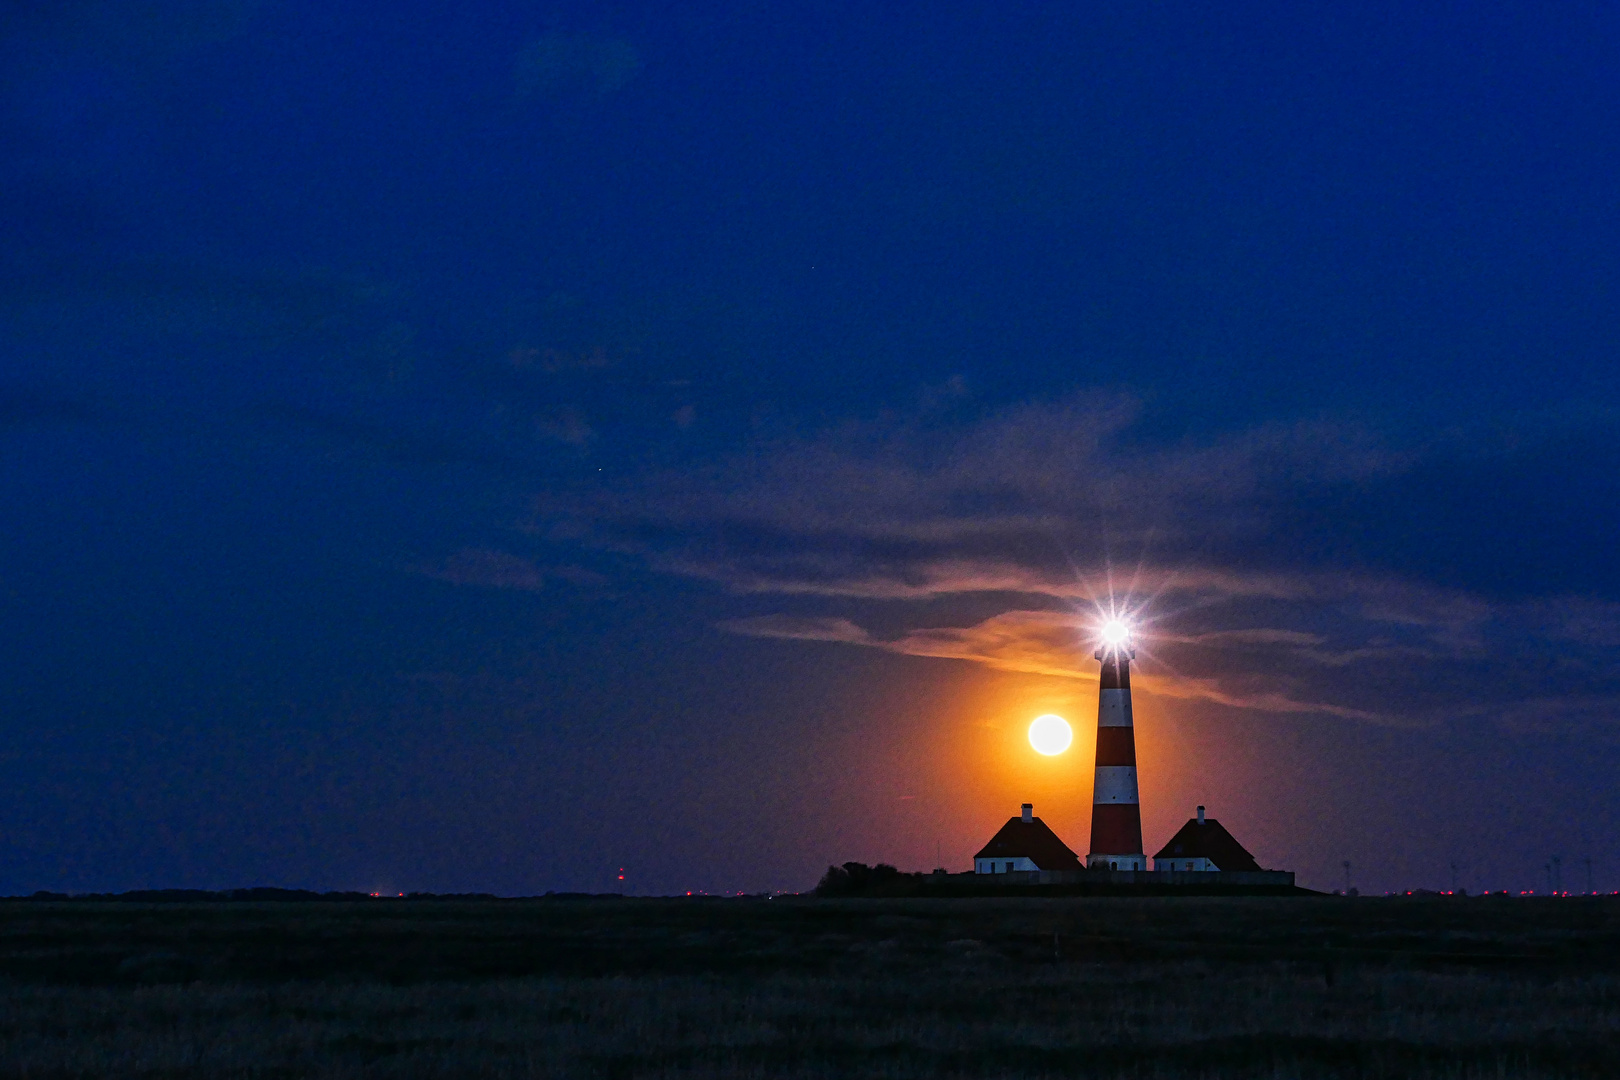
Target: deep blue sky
(480,446)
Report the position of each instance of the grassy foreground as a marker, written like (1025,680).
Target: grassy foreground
(1153,987)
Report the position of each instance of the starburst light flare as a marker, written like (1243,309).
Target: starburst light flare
(1116,634)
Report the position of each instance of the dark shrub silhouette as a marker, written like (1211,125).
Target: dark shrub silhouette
(858,879)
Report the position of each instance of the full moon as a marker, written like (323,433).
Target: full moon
(1050,734)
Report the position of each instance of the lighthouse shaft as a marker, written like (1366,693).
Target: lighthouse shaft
(1116,815)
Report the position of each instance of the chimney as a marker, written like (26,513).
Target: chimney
(1200,815)
(1029,812)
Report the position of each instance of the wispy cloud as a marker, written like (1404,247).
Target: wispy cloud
(1034,642)
(27,405)
(491,569)
(1052,513)
(556,64)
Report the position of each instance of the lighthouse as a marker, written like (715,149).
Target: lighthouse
(1116,816)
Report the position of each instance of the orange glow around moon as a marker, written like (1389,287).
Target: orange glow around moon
(1050,734)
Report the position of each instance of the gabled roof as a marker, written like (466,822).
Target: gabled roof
(1032,840)
(1208,841)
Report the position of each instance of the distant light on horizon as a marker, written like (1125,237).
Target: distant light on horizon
(1050,734)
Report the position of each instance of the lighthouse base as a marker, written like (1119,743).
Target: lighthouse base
(1117,862)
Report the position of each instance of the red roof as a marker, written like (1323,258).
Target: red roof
(1032,840)
(1208,841)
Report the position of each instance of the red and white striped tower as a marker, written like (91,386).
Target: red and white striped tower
(1116,816)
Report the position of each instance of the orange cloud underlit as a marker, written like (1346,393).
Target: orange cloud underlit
(1031,642)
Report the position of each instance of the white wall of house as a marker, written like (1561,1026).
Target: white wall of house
(1182,863)
(1001,866)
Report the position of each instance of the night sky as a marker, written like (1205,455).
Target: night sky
(481,446)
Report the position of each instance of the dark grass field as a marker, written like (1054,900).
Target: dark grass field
(1107,987)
